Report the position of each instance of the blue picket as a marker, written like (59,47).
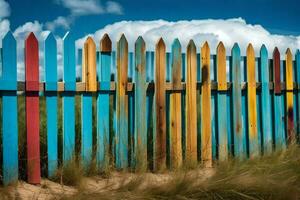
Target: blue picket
(103,116)
(297,74)
(51,102)
(68,97)
(9,109)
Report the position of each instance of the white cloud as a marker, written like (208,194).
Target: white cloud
(90,7)
(229,31)
(60,21)
(4,9)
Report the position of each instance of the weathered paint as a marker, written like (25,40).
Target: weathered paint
(191,104)
(238,139)
(140,131)
(221,103)
(280,142)
(131,112)
(51,102)
(206,130)
(265,101)
(89,78)
(289,96)
(32,109)
(103,114)
(175,107)
(254,148)
(9,109)
(122,104)
(159,119)
(68,98)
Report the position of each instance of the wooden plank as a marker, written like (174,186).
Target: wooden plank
(254,148)
(222,103)
(9,110)
(297,67)
(175,107)
(68,98)
(265,101)
(51,102)
(122,104)
(131,122)
(191,104)
(103,114)
(289,95)
(140,131)
(159,119)
(206,130)
(238,139)
(32,109)
(89,78)
(280,142)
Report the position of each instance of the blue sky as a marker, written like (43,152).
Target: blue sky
(277,16)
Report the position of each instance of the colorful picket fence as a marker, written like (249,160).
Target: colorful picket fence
(159,109)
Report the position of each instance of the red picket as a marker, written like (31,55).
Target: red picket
(32,109)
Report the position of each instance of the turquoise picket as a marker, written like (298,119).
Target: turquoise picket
(103,114)
(68,97)
(297,74)
(51,101)
(131,111)
(265,101)
(238,139)
(8,83)
(140,132)
(122,105)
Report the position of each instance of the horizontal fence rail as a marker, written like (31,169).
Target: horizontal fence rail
(143,110)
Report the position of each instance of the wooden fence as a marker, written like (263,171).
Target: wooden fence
(158,110)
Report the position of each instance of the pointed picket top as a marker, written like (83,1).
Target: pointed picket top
(289,69)
(191,45)
(288,52)
(276,52)
(236,48)
(250,50)
(89,41)
(9,37)
(263,50)
(298,52)
(276,68)
(31,39)
(221,67)
(206,45)
(176,43)
(105,43)
(68,36)
(160,43)
(50,37)
(140,41)
(123,38)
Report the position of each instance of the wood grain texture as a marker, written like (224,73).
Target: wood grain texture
(175,108)
(254,148)
(237,127)
(103,105)
(140,129)
(160,107)
(206,130)
(280,142)
(89,73)
(289,95)
(50,54)
(222,103)
(122,104)
(191,104)
(68,98)
(266,114)
(32,109)
(9,110)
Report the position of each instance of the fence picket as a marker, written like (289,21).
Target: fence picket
(191,104)
(265,101)
(206,129)
(9,109)
(89,79)
(238,137)
(159,119)
(51,102)
(254,148)
(175,107)
(103,114)
(140,131)
(122,104)
(32,109)
(68,98)
(297,71)
(222,102)
(289,95)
